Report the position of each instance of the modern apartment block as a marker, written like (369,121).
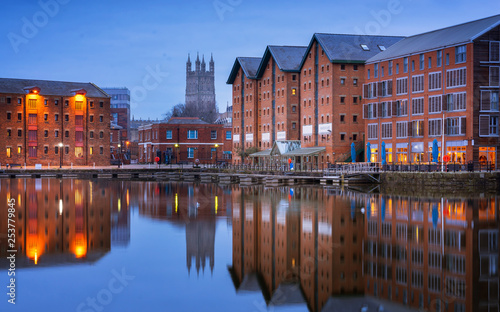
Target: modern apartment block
(441,85)
(120,110)
(41,119)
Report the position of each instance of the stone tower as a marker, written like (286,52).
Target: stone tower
(200,85)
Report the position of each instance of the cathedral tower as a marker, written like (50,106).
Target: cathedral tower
(200,85)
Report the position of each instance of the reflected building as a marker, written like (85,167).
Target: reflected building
(57,222)
(433,254)
(193,206)
(319,247)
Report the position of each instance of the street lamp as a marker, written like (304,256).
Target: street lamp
(119,154)
(216,146)
(176,153)
(61,154)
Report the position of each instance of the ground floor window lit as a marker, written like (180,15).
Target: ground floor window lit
(373,152)
(417,152)
(487,154)
(402,152)
(456,151)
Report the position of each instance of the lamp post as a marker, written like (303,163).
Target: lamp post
(216,146)
(119,154)
(176,153)
(61,154)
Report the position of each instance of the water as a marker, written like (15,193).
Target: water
(131,245)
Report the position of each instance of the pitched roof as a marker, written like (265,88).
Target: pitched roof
(449,36)
(186,121)
(348,48)
(249,66)
(288,58)
(47,87)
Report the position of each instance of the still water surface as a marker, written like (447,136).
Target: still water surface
(133,245)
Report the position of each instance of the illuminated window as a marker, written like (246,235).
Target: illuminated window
(32,104)
(79,105)
(91,150)
(19,149)
(32,151)
(9,152)
(79,152)
(294,91)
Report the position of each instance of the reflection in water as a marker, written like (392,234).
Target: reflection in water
(195,206)
(57,221)
(312,246)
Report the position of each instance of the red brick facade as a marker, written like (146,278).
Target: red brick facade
(185,139)
(446,94)
(34,124)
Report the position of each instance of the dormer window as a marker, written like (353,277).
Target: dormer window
(381,47)
(365,47)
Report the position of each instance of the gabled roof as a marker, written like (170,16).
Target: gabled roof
(186,121)
(348,48)
(449,36)
(61,88)
(249,66)
(288,58)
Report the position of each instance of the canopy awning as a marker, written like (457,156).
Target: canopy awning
(264,153)
(306,151)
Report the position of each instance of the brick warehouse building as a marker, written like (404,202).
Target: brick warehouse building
(309,94)
(38,115)
(184,139)
(439,85)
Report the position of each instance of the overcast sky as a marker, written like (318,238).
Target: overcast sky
(143,45)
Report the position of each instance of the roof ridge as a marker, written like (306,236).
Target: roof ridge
(360,35)
(287,46)
(452,26)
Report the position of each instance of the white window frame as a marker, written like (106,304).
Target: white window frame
(169,135)
(402,85)
(492,59)
(437,122)
(492,83)
(211,134)
(420,105)
(460,56)
(417,81)
(372,129)
(435,104)
(402,126)
(190,152)
(386,130)
(435,78)
(455,74)
(190,134)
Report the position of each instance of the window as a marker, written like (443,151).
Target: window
(19,132)
(101,104)
(56,133)
(190,151)
(9,100)
(56,117)
(79,152)
(342,118)
(401,275)
(9,115)
(387,130)
(434,282)
(456,101)
(46,133)
(417,106)
(397,68)
(365,47)
(385,88)
(494,76)
(375,70)
(101,150)
(9,152)
(31,104)
(342,100)
(455,125)
(19,116)
(370,111)
(101,118)
(79,120)
(66,134)
(355,67)
(456,77)
(213,134)
(435,104)
(355,118)
(488,125)
(192,134)
(79,105)
(405,65)
(294,91)
(79,136)
(66,117)
(19,101)
(355,81)
(417,128)
(91,118)
(402,129)
(354,100)
(101,134)
(385,109)
(368,74)
(421,61)
(91,150)
(389,68)
(342,137)
(489,101)
(439,58)
(32,151)
(435,127)
(372,131)
(434,81)
(45,150)
(91,134)
(342,66)
(401,86)
(169,134)
(228,135)
(412,65)
(9,132)
(56,150)
(370,90)
(429,61)
(460,54)
(66,150)
(91,104)
(45,117)
(447,59)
